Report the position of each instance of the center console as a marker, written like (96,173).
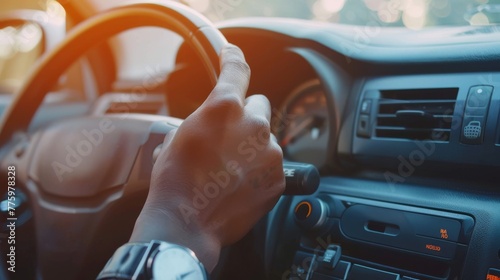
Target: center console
(378,240)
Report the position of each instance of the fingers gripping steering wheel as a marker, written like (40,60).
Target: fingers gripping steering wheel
(72,171)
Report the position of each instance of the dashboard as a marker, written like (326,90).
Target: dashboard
(403,126)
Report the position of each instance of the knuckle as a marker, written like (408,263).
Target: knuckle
(243,67)
(225,104)
(276,152)
(232,50)
(239,65)
(260,97)
(262,126)
(225,89)
(262,123)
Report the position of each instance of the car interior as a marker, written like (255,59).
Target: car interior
(396,103)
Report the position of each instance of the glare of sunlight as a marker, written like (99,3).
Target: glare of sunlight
(332,6)
(28,43)
(327,9)
(199,5)
(415,13)
(7,41)
(55,11)
(416,8)
(319,11)
(479,19)
(415,23)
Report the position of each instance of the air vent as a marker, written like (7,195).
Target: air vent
(417,114)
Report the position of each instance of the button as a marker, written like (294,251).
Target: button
(364,127)
(476,111)
(433,247)
(493,274)
(366,106)
(479,96)
(331,256)
(303,210)
(473,130)
(363,272)
(311,213)
(436,227)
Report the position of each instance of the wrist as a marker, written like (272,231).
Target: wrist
(158,224)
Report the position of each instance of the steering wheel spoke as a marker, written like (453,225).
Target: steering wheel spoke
(76,172)
(87,177)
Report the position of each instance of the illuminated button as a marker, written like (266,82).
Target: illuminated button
(366,107)
(311,213)
(433,247)
(303,210)
(436,227)
(493,274)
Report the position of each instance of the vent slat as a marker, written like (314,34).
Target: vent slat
(411,129)
(394,101)
(394,115)
(437,107)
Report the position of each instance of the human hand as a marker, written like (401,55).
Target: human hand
(218,173)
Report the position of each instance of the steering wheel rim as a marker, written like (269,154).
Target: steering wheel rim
(197,31)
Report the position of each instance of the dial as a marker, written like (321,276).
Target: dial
(302,127)
(177,263)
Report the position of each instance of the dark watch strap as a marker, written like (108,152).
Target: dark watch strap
(128,262)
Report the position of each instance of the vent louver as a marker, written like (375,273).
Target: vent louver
(417,114)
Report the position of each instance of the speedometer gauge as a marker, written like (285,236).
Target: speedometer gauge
(302,127)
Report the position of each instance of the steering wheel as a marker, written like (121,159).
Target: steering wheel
(76,171)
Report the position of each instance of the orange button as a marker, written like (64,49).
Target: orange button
(492,277)
(433,247)
(493,274)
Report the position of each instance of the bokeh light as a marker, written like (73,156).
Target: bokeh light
(415,14)
(55,11)
(479,19)
(28,37)
(332,6)
(24,38)
(390,11)
(325,10)
(7,41)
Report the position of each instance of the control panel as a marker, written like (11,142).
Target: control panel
(352,238)
(456,115)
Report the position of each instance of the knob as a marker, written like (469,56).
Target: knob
(301,178)
(311,213)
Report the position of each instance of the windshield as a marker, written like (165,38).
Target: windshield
(413,14)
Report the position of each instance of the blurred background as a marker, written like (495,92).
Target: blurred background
(413,14)
(22,43)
